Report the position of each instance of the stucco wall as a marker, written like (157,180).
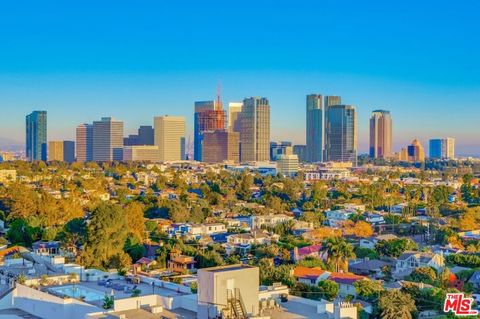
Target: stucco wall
(48,306)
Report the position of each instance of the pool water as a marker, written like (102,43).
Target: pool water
(74,291)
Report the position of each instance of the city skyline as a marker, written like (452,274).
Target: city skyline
(78,75)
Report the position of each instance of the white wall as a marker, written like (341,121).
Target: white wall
(189,302)
(165,284)
(135,302)
(7,301)
(48,306)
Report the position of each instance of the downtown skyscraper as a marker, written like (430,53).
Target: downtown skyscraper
(317,110)
(341,134)
(84,142)
(381,134)
(234,110)
(107,140)
(169,136)
(36,136)
(442,148)
(315,129)
(209,116)
(255,130)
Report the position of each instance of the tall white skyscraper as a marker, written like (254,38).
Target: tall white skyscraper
(255,130)
(107,140)
(169,136)
(234,110)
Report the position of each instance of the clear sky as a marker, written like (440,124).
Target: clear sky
(132,60)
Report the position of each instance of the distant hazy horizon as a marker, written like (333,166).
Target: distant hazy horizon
(82,61)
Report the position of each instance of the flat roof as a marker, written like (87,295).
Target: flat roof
(228,268)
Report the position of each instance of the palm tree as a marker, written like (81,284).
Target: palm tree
(339,251)
(395,304)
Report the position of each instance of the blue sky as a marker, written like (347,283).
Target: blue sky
(81,60)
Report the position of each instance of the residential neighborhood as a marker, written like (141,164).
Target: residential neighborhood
(115,237)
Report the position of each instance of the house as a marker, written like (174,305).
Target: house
(370,242)
(398,208)
(312,276)
(368,267)
(184,230)
(411,260)
(213,228)
(181,263)
(46,247)
(143,264)
(151,250)
(351,206)
(346,283)
(242,242)
(308,251)
(269,220)
(336,217)
(301,227)
(374,219)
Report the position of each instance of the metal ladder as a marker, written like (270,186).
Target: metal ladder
(236,304)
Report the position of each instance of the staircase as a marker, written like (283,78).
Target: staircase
(235,303)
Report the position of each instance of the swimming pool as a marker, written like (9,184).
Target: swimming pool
(79,292)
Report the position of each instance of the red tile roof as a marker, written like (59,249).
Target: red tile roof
(310,273)
(309,250)
(345,278)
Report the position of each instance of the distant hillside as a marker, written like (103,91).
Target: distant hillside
(8,144)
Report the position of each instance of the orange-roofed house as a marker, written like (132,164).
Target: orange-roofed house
(312,276)
(346,282)
(181,263)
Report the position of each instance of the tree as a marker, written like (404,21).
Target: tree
(136,220)
(107,302)
(270,274)
(275,203)
(469,220)
(177,212)
(464,260)
(319,193)
(362,229)
(322,233)
(312,262)
(394,304)
(106,237)
(19,232)
(395,247)
(210,258)
(365,252)
(446,278)
(246,182)
(338,252)
(135,249)
(328,289)
(368,289)
(427,275)
(312,217)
